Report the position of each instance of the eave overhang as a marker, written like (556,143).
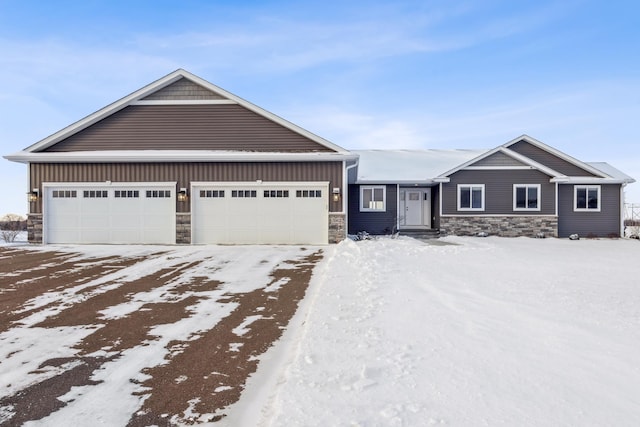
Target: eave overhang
(174,156)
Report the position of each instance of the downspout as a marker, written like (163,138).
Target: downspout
(398,208)
(622,210)
(345,189)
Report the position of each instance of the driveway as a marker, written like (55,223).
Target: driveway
(139,335)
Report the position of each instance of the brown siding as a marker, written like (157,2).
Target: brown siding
(183,89)
(187,127)
(185,173)
(548,159)
(499,191)
(498,159)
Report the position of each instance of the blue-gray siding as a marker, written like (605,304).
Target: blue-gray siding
(605,223)
(373,222)
(498,159)
(499,191)
(548,159)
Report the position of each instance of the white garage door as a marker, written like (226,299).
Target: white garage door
(260,213)
(117,213)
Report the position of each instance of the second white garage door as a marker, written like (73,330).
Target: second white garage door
(260,213)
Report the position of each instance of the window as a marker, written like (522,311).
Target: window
(126,194)
(95,194)
(470,197)
(586,198)
(373,199)
(526,197)
(158,194)
(244,193)
(211,193)
(308,193)
(276,193)
(64,194)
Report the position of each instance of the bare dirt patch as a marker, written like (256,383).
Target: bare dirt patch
(202,373)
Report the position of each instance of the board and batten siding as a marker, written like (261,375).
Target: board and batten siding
(185,173)
(187,127)
(605,223)
(498,159)
(373,222)
(499,191)
(547,159)
(183,89)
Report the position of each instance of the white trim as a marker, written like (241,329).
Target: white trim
(185,102)
(586,209)
(440,199)
(373,188)
(398,207)
(622,210)
(261,184)
(172,156)
(585,180)
(498,215)
(109,184)
(470,208)
(527,186)
(557,197)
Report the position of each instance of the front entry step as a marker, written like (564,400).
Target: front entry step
(420,233)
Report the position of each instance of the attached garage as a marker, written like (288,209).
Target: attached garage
(260,213)
(183,161)
(134,213)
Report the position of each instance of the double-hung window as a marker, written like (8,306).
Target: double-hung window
(470,197)
(586,198)
(526,197)
(373,198)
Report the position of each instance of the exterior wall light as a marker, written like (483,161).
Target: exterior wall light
(34,195)
(182,195)
(336,194)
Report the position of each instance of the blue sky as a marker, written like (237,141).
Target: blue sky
(363,74)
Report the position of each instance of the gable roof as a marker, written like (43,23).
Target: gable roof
(501,149)
(555,152)
(152,94)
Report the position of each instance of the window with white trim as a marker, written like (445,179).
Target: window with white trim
(586,198)
(526,197)
(470,197)
(373,198)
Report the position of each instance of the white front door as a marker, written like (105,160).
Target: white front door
(415,208)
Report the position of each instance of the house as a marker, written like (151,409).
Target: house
(182,161)
(521,188)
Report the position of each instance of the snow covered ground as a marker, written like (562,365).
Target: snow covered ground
(395,332)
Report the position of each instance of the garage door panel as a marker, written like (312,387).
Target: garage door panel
(91,213)
(268,213)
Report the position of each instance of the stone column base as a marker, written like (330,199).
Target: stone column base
(183,228)
(337,227)
(34,228)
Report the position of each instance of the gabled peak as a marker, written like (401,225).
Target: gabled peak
(183,90)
